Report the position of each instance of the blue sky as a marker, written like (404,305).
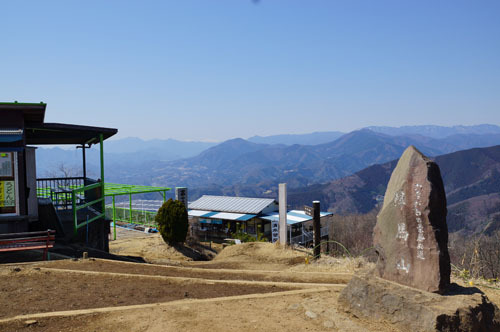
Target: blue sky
(218,69)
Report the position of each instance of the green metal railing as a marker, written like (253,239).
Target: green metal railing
(75,198)
(115,189)
(58,189)
(71,191)
(43,192)
(126,215)
(74,194)
(77,208)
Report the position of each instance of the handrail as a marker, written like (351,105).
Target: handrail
(76,208)
(135,218)
(308,236)
(59,189)
(99,216)
(89,187)
(64,178)
(83,206)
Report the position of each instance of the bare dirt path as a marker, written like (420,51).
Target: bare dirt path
(293,311)
(242,289)
(28,290)
(100,265)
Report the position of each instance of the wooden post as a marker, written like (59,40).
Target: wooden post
(302,240)
(316,229)
(84,165)
(101,145)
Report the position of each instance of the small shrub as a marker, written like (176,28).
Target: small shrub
(243,237)
(172,221)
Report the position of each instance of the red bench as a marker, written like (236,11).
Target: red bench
(28,241)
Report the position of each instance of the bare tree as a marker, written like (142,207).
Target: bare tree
(475,256)
(354,233)
(63,170)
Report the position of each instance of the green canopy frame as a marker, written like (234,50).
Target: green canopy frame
(116,189)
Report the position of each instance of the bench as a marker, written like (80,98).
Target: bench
(28,241)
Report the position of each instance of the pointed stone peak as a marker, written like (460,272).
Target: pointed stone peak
(411,235)
(411,150)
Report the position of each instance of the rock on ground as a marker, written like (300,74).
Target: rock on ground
(462,309)
(411,235)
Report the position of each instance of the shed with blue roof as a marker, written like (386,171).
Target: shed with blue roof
(217,217)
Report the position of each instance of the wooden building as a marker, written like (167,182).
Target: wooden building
(73,206)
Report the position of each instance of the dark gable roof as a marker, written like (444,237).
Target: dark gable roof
(61,133)
(37,132)
(32,112)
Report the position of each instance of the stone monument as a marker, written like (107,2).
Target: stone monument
(411,240)
(411,235)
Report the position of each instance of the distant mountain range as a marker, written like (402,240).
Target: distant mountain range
(436,131)
(163,149)
(118,154)
(249,168)
(244,164)
(471,178)
(302,139)
(426,130)
(347,174)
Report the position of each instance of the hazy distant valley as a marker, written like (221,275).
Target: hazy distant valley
(347,172)
(240,163)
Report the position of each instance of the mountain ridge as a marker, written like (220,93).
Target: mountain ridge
(468,175)
(239,161)
(244,164)
(434,131)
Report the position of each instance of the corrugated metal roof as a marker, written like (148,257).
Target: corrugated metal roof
(10,131)
(10,135)
(231,204)
(293,216)
(221,215)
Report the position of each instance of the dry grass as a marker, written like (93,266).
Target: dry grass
(151,247)
(251,255)
(261,252)
(336,265)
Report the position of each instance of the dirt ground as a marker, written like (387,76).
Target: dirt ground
(153,249)
(313,311)
(206,274)
(248,287)
(28,290)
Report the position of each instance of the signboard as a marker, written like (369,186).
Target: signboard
(7,194)
(8,183)
(181,195)
(6,165)
(211,221)
(309,210)
(275,235)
